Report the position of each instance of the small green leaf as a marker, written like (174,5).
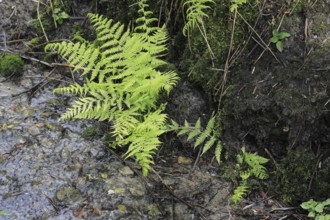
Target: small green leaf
(279,46)
(64,15)
(198,124)
(319,208)
(193,134)
(311,214)
(218,149)
(309,204)
(320,217)
(3,212)
(175,125)
(283,35)
(209,144)
(274,39)
(326,202)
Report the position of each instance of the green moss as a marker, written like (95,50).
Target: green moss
(321,27)
(34,41)
(11,64)
(299,179)
(298,6)
(94,131)
(196,59)
(47,24)
(48,14)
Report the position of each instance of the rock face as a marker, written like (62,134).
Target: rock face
(283,105)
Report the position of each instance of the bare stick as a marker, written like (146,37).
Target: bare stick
(224,80)
(39,19)
(262,41)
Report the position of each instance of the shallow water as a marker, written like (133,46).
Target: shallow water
(42,158)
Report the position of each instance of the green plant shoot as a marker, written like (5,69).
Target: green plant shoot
(317,210)
(277,39)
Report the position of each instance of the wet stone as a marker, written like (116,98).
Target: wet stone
(137,193)
(2,159)
(34,130)
(126,171)
(67,195)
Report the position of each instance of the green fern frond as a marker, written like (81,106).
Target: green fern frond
(185,129)
(74,89)
(209,136)
(122,82)
(245,175)
(206,133)
(239,192)
(144,140)
(145,20)
(235,4)
(218,150)
(195,13)
(255,163)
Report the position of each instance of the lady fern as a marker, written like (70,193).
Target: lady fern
(255,167)
(209,137)
(195,13)
(122,82)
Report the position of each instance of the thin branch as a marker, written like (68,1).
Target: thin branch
(262,41)
(224,80)
(39,19)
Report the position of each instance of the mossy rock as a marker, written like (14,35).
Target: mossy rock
(197,60)
(11,64)
(302,176)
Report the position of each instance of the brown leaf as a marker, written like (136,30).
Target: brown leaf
(97,211)
(78,213)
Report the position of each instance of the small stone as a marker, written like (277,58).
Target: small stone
(2,159)
(68,195)
(136,192)
(34,130)
(122,208)
(153,211)
(119,190)
(110,192)
(104,175)
(65,153)
(184,160)
(126,171)
(97,211)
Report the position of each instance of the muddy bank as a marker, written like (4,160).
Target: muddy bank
(281,106)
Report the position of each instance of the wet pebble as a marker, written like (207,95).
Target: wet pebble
(34,130)
(137,193)
(67,195)
(126,171)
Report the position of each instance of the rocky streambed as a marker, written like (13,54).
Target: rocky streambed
(49,171)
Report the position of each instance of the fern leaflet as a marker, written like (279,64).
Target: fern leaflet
(195,13)
(209,136)
(239,192)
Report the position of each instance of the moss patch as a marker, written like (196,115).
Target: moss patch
(11,64)
(197,60)
(301,177)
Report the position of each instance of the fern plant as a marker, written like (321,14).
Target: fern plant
(195,13)
(208,137)
(122,82)
(235,4)
(255,168)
